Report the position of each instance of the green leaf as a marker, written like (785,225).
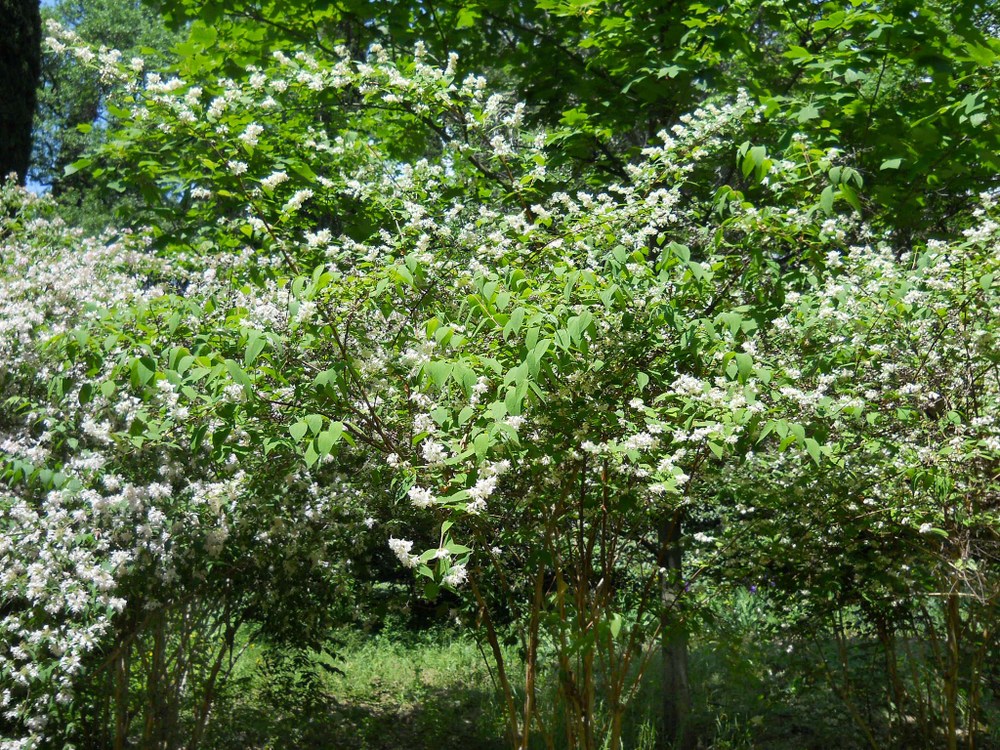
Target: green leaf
(813,449)
(237,373)
(329,437)
(438,371)
(826,200)
(255,345)
(482,445)
(578,324)
(314,422)
(298,430)
(198,437)
(681,251)
(981,55)
(203,35)
(848,193)
(514,398)
(534,359)
(744,364)
(311,456)
(798,53)
(467,17)
(616,624)
(77,166)
(143,370)
(891,164)
(513,324)
(807,113)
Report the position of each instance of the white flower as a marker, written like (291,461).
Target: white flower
(295,202)
(483,488)
(515,421)
(685,385)
(217,107)
(640,441)
(456,576)
(433,452)
(496,469)
(273,180)
(421,497)
(401,548)
(315,239)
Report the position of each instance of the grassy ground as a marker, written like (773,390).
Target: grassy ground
(411,691)
(433,690)
(429,691)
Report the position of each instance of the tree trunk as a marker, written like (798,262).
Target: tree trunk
(676,690)
(20,65)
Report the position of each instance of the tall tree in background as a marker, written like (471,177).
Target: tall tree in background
(20,51)
(72,112)
(903,87)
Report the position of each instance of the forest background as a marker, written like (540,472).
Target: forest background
(639,358)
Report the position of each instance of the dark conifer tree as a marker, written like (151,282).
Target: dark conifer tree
(20,64)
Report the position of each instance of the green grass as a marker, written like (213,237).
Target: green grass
(434,691)
(419,691)
(752,688)
(409,691)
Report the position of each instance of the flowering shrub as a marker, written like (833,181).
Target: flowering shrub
(889,362)
(369,295)
(70,528)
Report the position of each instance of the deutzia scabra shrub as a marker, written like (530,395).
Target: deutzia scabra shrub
(117,540)
(514,359)
(887,362)
(378,299)
(67,529)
